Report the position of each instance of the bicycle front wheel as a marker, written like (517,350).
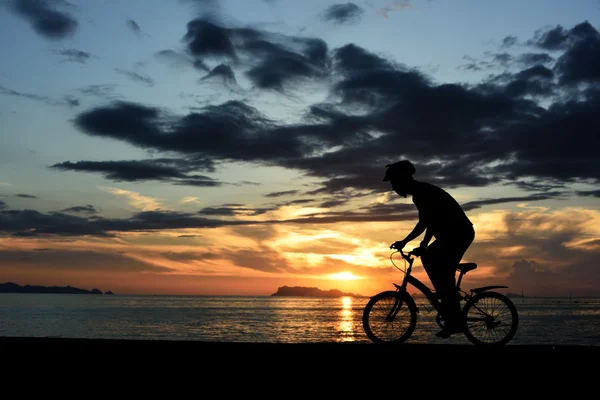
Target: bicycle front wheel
(492,319)
(390,317)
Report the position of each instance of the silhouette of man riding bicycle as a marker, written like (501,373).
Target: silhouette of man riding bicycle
(441,218)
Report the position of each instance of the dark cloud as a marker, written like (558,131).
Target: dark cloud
(87,209)
(534,81)
(509,41)
(284,193)
(531,59)
(132,171)
(471,205)
(75,260)
(33,223)
(134,76)
(3,205)
(135,28)
(343,13)
(521,127)
(178,59)
(230,211)
(589,193)
(581,62)
(74,55)
(206,39)
(332,203)
(26,196)
(29,223)
(104,91)
(67,101)
(47,17)
(223,73)
(187,256)
(559,38)
(274,60)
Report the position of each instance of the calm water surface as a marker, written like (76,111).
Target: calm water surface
(263,319)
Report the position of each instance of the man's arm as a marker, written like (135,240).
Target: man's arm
(426,239)
(416,232)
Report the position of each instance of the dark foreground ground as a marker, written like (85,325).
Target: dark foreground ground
(140,368)
(258,368)
(113,348)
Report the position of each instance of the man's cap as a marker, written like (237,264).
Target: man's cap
(400,169)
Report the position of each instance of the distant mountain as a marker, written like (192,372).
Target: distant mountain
(311,292)
(10,287)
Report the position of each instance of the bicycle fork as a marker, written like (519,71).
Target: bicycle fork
(397,305)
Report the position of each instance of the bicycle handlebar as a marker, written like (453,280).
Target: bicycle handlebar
(409,254)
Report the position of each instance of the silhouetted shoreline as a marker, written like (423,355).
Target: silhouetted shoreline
(10,287)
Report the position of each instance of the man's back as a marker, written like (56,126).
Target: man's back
(440,212)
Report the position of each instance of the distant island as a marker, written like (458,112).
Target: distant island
(10,287)
(311,292)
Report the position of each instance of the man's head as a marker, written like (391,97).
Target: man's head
(400,175)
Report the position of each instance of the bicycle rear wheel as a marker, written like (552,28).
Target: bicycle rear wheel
(390,317)
(492,319)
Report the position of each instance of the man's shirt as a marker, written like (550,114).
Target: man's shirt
(439,211)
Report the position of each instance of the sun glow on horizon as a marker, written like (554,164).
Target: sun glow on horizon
(344,276)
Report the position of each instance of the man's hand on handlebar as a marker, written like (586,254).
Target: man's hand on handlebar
(398,245)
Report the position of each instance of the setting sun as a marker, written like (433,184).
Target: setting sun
(344,276)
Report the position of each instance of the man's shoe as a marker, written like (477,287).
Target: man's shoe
(446,332)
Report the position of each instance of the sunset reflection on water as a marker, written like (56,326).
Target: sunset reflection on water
(346,325)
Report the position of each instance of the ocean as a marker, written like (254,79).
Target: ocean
(545,321)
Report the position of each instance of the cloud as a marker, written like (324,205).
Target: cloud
(67,101)
(284,193)
(541,251)
(535,197)
(262,259)
(385,11)
(134,76)
(222,73)
(74,55)
(136,200)
(178,59)
(532,59)
(188,200)
(509,41)
(46,17)
(166,170)
(87,209)
(274,60)
(514,128)
(135,28)
(104,91)
(73,260)
(343,13)
(589,193)
(26,196)
(559,38)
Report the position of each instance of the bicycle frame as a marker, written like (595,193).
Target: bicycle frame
(408,278)
(427,292)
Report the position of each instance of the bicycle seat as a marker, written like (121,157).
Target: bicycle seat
(466,267)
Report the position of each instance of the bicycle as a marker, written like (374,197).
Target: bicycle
(390,317)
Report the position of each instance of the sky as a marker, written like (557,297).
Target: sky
(208,147)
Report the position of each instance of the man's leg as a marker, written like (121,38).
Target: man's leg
(440,262)
(453,252)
